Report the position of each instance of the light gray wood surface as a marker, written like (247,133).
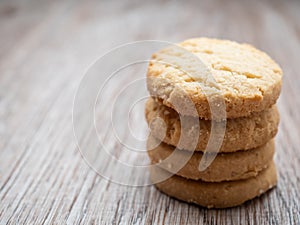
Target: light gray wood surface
(45,49)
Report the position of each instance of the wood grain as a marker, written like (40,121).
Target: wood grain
(46,47)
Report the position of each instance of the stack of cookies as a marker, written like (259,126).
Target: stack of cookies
(249,82)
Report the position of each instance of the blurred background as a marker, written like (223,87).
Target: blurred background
(45,49)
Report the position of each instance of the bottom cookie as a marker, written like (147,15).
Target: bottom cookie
(215,195)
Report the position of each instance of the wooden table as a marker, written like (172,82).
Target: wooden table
(45,49)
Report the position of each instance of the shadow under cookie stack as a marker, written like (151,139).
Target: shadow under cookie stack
(250,83)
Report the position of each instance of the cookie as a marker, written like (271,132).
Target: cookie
(246,78)
(241,133)
(215,194)
(225,167)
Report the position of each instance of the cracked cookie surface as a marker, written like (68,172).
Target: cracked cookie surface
(246,78)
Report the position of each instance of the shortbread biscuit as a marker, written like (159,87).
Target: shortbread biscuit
(215,194)
(246,78)
(225,167)
(241,133)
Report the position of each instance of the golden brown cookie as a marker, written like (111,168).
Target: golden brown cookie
(225,167)
(241,133)
(247,78)
(215,195)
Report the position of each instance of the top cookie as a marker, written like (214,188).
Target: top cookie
(246,78)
